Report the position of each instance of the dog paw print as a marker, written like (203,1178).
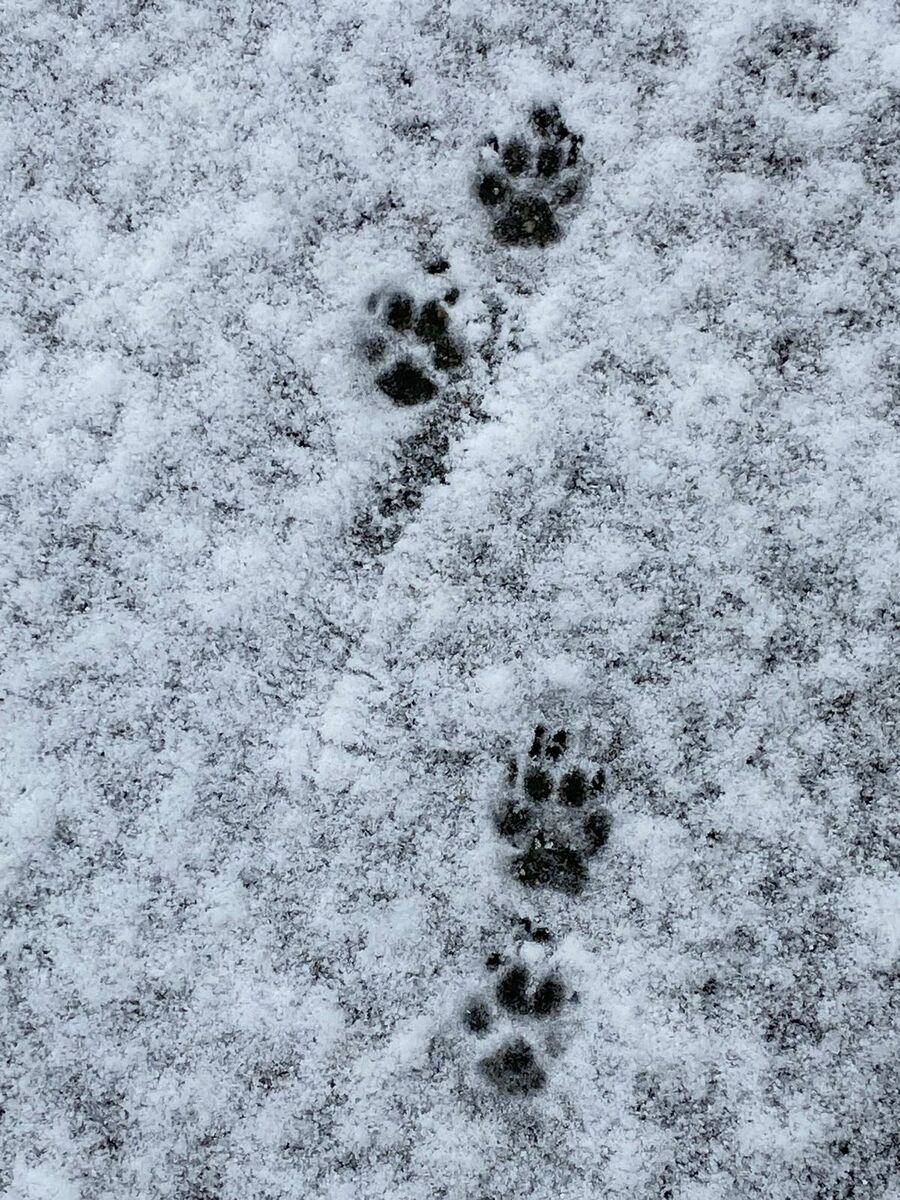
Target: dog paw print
(527,180)
(551,817)
(515,1014)
(412,345)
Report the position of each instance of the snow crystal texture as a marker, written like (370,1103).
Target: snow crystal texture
(451,593)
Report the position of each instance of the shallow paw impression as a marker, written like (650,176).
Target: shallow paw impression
(518,997)
(551,816)
(514,1068)
(412,345)
(528,179)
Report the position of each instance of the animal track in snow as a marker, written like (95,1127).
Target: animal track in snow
(528,179)
(516,1012)
(550,815)
(416,352)
(412,345)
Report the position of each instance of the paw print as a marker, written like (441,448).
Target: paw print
(529,178)
(412,343)
(550,815)
(520,1003)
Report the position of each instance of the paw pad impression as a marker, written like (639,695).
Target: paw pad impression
(551,816)
(413,344)
(529,178)
(519,995)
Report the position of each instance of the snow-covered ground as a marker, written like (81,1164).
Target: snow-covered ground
(270,639)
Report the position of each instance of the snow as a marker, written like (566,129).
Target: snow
(250,757)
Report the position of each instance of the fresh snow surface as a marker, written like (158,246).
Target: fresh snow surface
(258,710)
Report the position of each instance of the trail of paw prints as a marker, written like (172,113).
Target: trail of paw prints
(528,180)
(516,1015)
(412,345)
(550,815)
